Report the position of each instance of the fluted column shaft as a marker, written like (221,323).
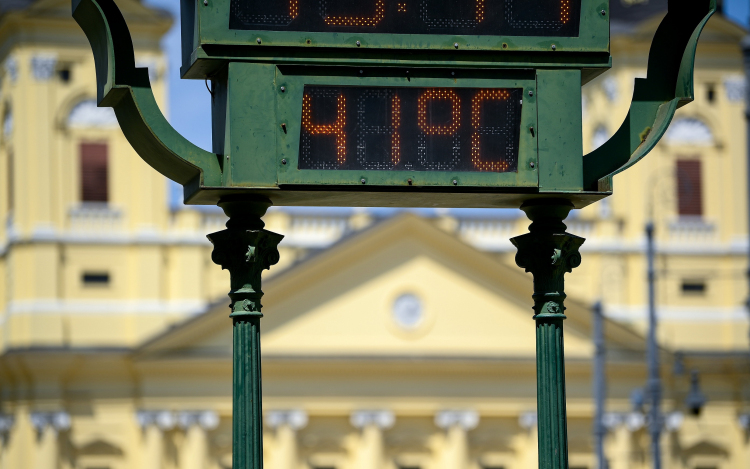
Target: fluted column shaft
(246,249)
(548,252)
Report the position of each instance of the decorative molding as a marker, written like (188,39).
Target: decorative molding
(11,68)
(528,420)
(633,313)
(163,419)
(106,307)
(736,88)
(7,422)
(86,114)
(43,66)
(382,419)
(296,419)
(689,131)
(58,421)
(206,419)
(465,419)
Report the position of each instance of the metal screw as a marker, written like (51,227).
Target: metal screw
(359,43)
(283,89)
(455,44)
(532,164)
(453,74)
(363,180)
(227,157)
(604,13)
(361,72)
(205,2)
(409,181)
(455,182)
(283,161)
(258,40)
(531,93)
(554,47)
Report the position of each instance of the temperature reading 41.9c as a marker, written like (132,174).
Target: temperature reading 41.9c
(410,129)
(469,17)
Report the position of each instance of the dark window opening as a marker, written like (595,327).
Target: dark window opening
(689,188)
(95,278)
(94,169)
(64,75)
(694,287)
(711,93)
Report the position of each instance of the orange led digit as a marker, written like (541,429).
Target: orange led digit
(396,135)
(437,94)
(359,20)
(337,128)
(479,14)
(476,139)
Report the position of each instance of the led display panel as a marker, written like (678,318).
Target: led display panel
(410,129)
(455,17)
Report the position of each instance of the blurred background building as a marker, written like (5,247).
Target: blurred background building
(392,339)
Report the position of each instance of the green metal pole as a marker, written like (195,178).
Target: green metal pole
(246,249)
(548,252)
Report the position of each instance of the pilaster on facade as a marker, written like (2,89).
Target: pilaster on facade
(370,451)
(285,424)
(456,424)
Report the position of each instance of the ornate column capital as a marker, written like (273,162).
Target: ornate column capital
(164,420)
(43,66)
(528,420)
(245,249)
(205,419)
(548,253)
(58,421)
(382,419)
(296,419)
(464,419)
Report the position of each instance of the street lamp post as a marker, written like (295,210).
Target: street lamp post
(653,383)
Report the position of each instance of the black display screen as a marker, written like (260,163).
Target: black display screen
(465,17)
(410,129)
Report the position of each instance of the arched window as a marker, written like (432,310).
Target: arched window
(689,131)
(87,114)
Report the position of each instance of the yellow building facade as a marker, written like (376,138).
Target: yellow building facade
(391,340)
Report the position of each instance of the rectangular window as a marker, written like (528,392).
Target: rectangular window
(94,177)
(95,279)
(693,287)
(689,188)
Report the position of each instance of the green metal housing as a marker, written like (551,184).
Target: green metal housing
(249,106)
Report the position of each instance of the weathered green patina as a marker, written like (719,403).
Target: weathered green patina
(257,82)
(245,249)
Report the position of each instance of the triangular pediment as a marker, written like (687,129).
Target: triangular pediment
(403,288)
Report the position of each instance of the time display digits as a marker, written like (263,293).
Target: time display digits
(410,129)
(470,17)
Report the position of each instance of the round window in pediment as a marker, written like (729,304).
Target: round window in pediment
(408,311)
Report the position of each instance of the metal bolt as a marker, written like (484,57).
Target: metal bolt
(453,74)
(531,93)
(258,40)
(409,181)
(455,182)
(554,47)
(361,72)
(455,44)
(283,161)
(532,164)
(227,157)
(283,89)
(604,13)
(359,43)
(363,180)
(205,2)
